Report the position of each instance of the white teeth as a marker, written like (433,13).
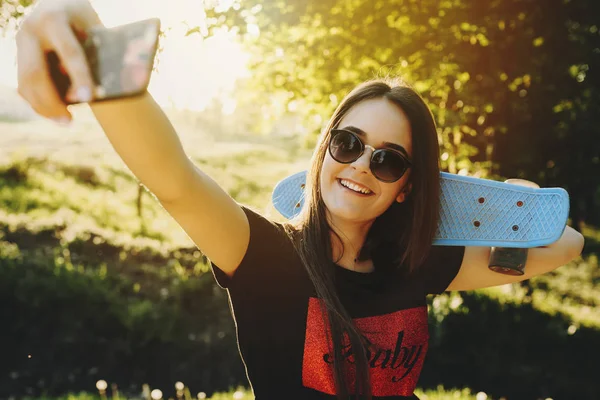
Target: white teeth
(354,187)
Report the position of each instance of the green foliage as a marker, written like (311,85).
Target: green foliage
(83,310)
(534,345)
(70,396)
(448,394)
(509,82)
(439,394)
(239,394)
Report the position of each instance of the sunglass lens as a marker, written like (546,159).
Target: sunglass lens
(344,147)
(388,166)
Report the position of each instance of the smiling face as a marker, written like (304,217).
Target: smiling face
(381,121)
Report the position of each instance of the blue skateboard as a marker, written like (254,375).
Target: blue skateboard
(476,212)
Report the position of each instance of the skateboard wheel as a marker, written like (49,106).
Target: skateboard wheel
(508,261)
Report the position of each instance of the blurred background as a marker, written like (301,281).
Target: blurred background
(102,293)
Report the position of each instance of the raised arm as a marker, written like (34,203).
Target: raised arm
(142,135)
(137,128)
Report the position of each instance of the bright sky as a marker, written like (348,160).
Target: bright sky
(191,70)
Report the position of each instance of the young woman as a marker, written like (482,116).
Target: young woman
(331,304)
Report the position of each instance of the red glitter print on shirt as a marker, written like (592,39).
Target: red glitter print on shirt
(398,343)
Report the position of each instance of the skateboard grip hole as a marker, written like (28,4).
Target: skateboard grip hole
(481,200)
(477,224)
(515,228)
(519,203)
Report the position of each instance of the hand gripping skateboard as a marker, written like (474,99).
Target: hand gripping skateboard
(476,212)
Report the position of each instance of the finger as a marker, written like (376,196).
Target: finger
(84,18)
(34,82)
(72,57)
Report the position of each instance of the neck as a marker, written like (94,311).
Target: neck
(351,239)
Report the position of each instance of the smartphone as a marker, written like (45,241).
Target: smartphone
(121,60)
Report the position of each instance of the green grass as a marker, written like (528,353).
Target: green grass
(100,192)
(573,290)
(241,394)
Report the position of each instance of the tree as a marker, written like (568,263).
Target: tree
(509,82)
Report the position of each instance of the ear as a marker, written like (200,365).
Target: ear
(404,193)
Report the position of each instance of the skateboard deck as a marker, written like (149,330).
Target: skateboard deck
(473,211)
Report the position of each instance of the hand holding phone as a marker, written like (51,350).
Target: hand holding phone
(120,61)
(65,56)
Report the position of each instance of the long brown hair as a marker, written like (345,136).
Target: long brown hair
(405,230)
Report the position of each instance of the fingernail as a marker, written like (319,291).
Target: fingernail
(84,94)
(62,120)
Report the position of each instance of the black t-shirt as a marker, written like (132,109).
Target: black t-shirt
(281,333)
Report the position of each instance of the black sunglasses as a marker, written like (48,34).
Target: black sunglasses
(387,165)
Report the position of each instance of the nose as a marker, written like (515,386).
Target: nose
(363,163)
